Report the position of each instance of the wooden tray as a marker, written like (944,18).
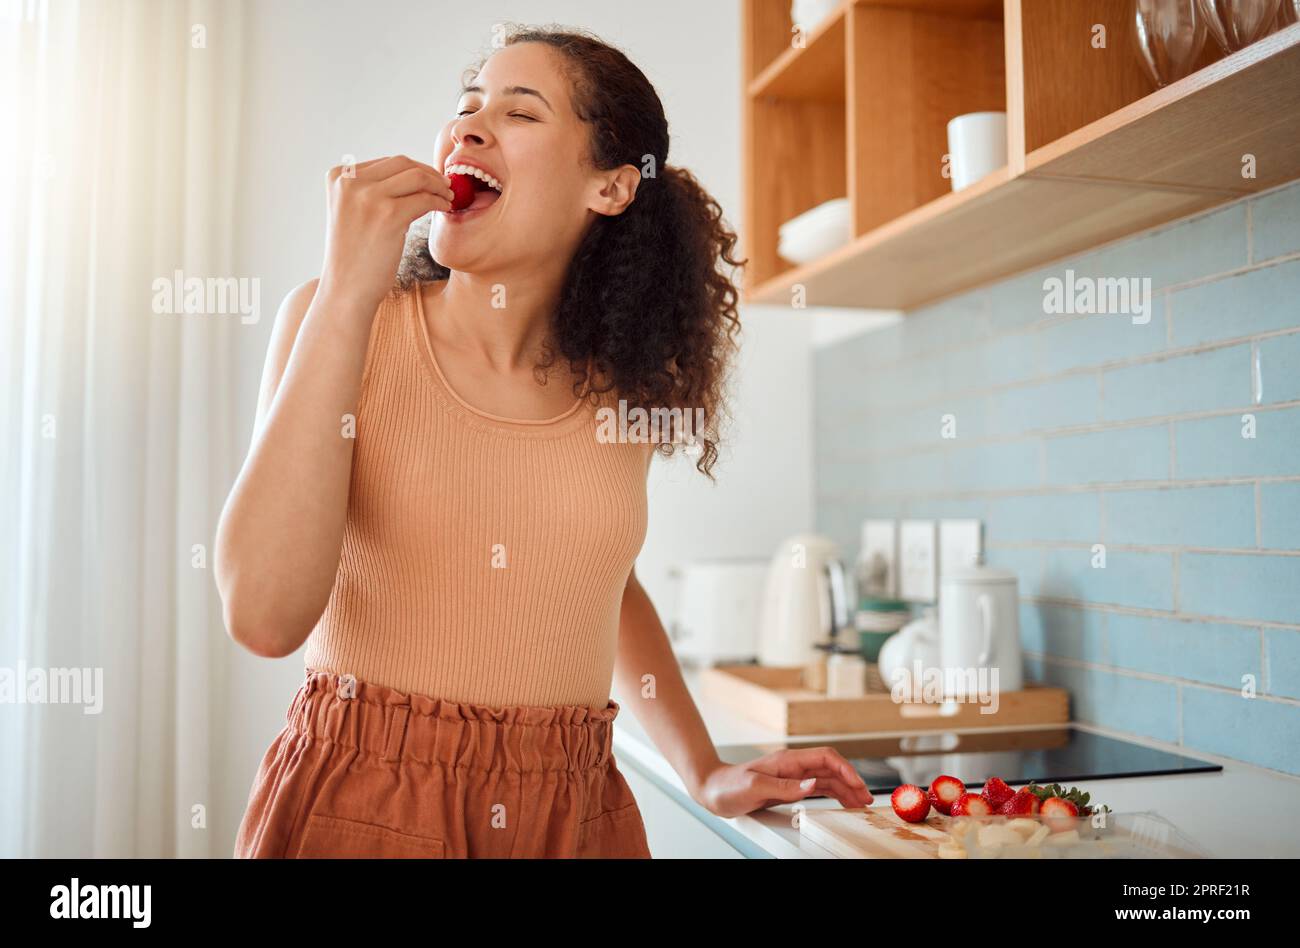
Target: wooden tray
(777,699)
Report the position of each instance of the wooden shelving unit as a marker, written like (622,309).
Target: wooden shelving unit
(861,111)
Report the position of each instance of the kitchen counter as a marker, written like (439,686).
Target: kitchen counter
(1219,811)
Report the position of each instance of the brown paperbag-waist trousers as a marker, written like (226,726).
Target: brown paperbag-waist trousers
(361,770)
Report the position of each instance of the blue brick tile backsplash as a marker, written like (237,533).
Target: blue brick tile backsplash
(1171,445)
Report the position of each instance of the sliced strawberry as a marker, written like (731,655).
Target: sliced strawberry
(910,803)
(1022,803)
(944,791)
(462,186)
(971,804)
(1059,814)
(997,792)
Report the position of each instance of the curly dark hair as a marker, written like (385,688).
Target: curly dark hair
(649,300)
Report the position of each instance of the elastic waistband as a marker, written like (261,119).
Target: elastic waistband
(393,725)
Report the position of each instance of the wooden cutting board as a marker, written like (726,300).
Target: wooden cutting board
(874,833)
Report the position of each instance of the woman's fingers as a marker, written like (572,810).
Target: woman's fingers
(414,180)
(770,791)
(369,163)
(387,167)
(847,796)
(787,762)
(779,777)
(830,759)
(414,206)
(356,169)
(765,790)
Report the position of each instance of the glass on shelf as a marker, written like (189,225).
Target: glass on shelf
(1235,24)
(1170,35)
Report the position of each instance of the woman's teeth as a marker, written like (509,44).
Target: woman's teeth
(473,172)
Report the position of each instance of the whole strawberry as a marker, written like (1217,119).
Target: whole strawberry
(997,792)
(944,791)
(462,186)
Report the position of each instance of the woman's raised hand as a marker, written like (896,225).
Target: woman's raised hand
(371,207)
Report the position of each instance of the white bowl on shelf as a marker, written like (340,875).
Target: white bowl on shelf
(809,14)
(815,232)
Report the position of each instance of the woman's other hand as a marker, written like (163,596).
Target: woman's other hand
(784,776)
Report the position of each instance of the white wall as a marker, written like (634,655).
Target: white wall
(329,78)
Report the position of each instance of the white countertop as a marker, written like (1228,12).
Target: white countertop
(1219,811)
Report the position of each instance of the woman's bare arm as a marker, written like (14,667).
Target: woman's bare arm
(278,543)
(281,532)
(650,683)
(649,680)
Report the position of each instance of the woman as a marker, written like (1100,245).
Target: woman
(442,522)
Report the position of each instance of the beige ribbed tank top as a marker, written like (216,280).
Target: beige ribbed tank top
(484,558)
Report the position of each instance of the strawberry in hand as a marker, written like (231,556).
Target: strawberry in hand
(462,186)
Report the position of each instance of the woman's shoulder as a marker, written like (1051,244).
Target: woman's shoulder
(399,298)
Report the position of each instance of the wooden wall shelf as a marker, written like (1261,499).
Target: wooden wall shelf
(1094,154)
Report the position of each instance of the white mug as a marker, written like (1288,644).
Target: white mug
(977,145)
(979,626)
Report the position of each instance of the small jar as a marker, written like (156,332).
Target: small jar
(846,675)
(814,673)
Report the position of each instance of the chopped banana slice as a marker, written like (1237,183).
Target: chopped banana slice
(998,835)
(1024,826)
(1068,838)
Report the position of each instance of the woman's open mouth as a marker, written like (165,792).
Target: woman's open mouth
(475,189)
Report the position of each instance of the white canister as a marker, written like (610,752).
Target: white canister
(979,628)
(977,146)
(846,675)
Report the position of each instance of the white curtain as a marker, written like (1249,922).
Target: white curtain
(119,132)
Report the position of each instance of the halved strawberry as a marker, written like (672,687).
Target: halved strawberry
(997,792)
(971,804)
(943,791)
(910,803)
(1059,814)
(1022,803)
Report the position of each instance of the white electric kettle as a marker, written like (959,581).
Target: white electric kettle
(805,602)
(979,624)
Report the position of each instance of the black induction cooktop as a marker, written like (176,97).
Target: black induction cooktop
(1053,755)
